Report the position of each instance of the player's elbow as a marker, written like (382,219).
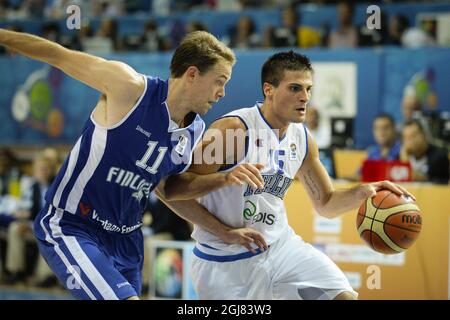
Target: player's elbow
(325,208)
(163,195)
(326,213)
(173,190)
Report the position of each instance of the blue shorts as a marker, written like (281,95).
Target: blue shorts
(90,262)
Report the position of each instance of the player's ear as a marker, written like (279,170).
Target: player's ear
(267,89)
(191,73)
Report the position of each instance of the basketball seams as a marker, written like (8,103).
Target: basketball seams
(379,230)
(403,248)
(365,225)
(374,220)
(369,212)
(385,249)
(375,214)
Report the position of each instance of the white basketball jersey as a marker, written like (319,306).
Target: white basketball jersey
(261,209)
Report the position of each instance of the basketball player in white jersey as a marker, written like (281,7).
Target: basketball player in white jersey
(276,138)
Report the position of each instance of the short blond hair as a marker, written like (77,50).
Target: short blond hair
(200,49)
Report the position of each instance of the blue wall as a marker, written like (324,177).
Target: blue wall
(382,75)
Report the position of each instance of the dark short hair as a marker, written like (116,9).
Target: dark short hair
(385,116)
(414,122)
(273,69)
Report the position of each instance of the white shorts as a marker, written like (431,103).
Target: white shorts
(290,269)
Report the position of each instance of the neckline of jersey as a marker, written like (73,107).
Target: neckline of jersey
(258,107)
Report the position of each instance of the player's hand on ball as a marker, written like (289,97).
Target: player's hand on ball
(245,237)
(246,173)
(369,190)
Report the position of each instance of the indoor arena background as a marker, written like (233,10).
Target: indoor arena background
(395,61)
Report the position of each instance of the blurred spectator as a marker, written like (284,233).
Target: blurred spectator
(9,190)
(268,40)
(291,33)
(20,231)
(9,174)
(152,40)
(346,35)
(397,26)
(52,155)
(50,31)
(319,129)
(161,7)
(56,9)
(374,37)
(33,8)
(5,10)
(388,146)
(243,35)
(105,40)
(400,33)
(107,8)
(286,34)
(428,162)
(309,37)
(416,37)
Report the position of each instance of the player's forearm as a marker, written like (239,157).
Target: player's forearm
(195,213)
(339,202)
(190,185)
(31,46)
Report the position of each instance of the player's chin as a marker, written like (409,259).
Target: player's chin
(298,119)
(202,111)
(205,110)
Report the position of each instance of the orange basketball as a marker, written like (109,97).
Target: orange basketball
(389,223)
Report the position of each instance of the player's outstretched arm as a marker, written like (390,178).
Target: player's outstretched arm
(108,77)
(195,213)
(223,143)
(329,202)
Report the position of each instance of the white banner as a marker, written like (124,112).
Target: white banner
(335,88)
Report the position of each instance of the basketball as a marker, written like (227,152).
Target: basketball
(389,223)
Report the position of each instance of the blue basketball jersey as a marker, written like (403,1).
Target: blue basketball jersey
(110,172)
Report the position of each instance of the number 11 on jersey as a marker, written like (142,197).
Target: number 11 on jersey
(142,163)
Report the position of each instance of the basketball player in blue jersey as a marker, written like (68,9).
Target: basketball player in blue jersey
(277,139)
(141,130)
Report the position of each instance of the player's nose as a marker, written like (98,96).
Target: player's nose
(304,96)
(221,93)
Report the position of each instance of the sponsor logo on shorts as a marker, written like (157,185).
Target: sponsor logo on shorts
(108,226)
